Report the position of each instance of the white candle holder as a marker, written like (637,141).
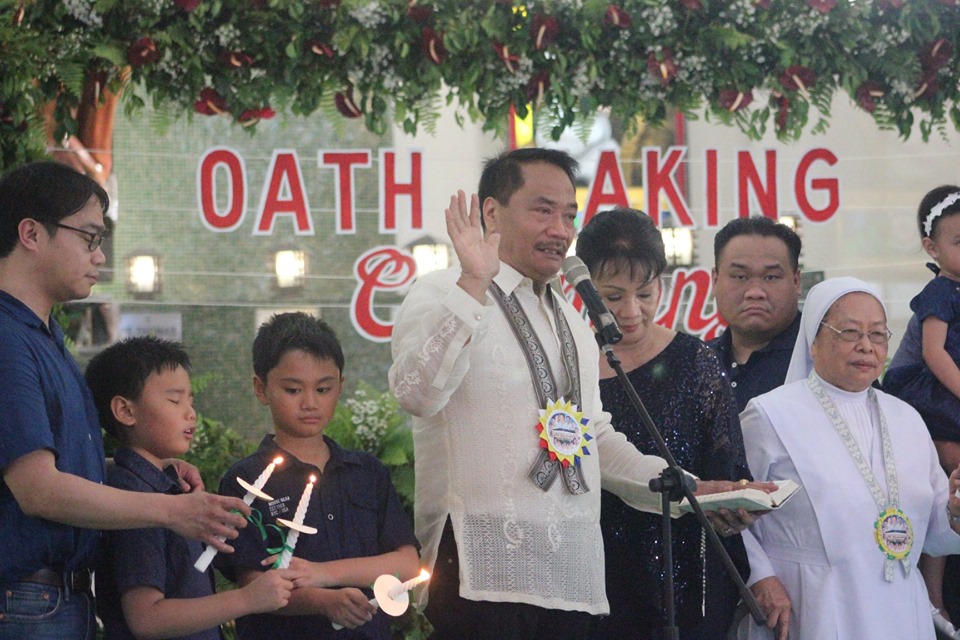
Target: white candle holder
(254,490)
(391,595)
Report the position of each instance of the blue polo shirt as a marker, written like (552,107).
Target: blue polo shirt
(44,404)
(153,557)
(764,370)
(355,510)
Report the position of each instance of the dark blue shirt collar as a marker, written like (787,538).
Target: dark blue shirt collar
(782,341)
(20,312)
(159,481)
(338,455)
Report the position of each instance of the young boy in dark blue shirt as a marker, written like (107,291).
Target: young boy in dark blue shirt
(362,530)
(146,583)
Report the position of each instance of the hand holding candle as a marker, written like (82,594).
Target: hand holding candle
(391,595)
(253,491)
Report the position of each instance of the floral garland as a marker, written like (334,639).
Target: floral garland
(749,63)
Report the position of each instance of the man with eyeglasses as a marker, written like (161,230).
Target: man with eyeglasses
(52,498)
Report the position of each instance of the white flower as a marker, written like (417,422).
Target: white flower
(369,15)
(84,11)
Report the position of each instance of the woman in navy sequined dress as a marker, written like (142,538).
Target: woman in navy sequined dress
(684,389)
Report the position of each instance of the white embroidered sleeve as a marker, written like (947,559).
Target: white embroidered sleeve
(431,344)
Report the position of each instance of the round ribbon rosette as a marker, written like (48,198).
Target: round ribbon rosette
(894,533)
(563,432)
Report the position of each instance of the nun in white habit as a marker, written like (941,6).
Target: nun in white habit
(838,560)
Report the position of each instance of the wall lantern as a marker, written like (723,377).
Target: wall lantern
(678,246)
(790,221)
(143,275)
(429,254)
(291,268)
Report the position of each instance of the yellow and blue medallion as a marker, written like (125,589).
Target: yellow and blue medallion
(563,432)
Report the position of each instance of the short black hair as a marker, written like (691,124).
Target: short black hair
(622,240)
(122,370)
(758,226)
(932,199)
(46,192)
(502,176)
(295,331)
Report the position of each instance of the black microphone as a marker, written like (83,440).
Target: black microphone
(603,321)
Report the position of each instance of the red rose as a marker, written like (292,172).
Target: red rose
(210,103)
(142,51)
(187,5)
(823,6)
(662,66)
(253,116)
(733,100)
(890,4)
(432,44)
(614,16)
(345,104)
(235,59)
(936,54)
(797,78)
(509,59)
(320,48)
(763,4)
(867,95)
(545,30)
(692,5)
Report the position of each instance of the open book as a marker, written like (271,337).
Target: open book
(749,499)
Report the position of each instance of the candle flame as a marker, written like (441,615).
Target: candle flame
(424,575)
(278,460)
(313,479)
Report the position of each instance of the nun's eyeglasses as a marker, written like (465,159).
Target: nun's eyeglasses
(855,335)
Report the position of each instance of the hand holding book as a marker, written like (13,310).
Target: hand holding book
(751,497)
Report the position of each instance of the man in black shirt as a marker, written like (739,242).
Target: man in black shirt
(756,282)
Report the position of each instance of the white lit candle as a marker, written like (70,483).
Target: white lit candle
(253,491)
(294,532)
(261,480)
(409,584)
(391,595)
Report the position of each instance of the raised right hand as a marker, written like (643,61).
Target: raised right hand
(479,256)
(205,516)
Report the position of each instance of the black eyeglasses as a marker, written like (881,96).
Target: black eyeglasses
(855,335)
(94,239)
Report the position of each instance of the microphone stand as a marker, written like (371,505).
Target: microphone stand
(673,485)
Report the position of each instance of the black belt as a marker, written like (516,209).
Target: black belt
(75,581)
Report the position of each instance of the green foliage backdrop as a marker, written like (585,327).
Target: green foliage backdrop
(752,63)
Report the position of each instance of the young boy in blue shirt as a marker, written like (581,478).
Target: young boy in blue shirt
(362,530)
(146,583)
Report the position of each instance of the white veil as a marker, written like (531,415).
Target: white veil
(819,300)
